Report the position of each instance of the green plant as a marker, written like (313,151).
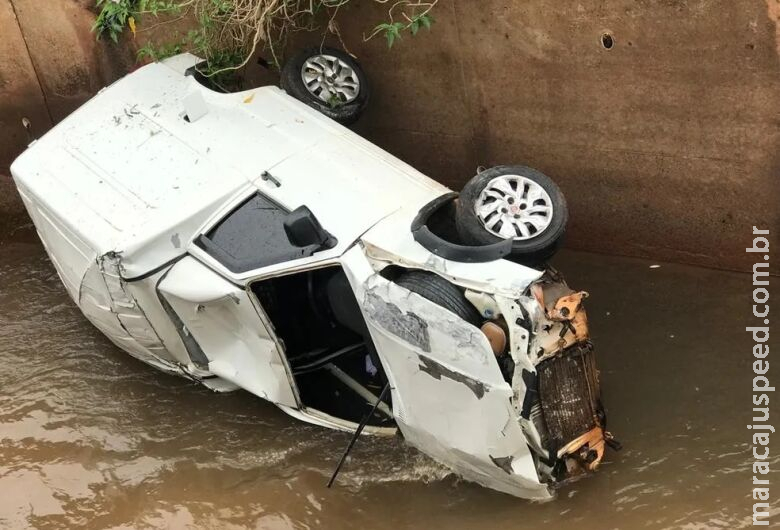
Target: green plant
(158,53)
(228,32)
(334,101)
(393,30)
(113,17)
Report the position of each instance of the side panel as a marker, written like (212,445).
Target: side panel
(228,329)
(145,293)
(449,398)
(110,316)
(70,255)
(95,285)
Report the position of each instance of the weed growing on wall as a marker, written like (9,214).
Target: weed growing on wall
(228,32)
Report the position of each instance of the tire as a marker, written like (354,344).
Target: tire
(543,232)
(349,96)
(441,292)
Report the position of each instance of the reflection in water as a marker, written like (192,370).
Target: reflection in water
(91,437)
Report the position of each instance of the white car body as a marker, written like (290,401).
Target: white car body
(121,189)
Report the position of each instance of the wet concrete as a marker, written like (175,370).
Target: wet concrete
(90,437)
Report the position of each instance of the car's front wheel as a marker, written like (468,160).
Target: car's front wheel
(328,80)
(517,203)
(441,292)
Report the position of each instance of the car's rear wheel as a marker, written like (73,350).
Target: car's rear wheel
(328,80)
(441,292)
(517,203)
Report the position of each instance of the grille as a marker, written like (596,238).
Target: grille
(569,394)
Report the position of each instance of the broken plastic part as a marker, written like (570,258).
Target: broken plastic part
(566,306)
(453,250)
(485,304)
(587,450)
(565,321)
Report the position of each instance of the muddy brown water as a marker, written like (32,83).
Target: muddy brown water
(90,437)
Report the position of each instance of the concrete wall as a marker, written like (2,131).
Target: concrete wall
(50,64)
(666,145)
(20,96)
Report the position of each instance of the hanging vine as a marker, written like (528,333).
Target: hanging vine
(227,33)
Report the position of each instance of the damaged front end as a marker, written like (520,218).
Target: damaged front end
(550,363)
(569,414)
(510,400)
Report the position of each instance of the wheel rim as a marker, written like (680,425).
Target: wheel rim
(514,207)
(330,79)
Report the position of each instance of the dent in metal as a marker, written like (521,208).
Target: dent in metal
(194,350)
(103,296)
(232,336)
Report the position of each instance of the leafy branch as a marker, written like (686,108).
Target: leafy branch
(415,15)
(228,32)
(115,15)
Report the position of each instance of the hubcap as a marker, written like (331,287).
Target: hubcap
(514,207)
(330,79)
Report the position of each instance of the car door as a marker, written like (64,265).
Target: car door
(224,331)
(449,398)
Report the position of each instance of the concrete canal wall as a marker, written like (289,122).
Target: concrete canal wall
(659,119)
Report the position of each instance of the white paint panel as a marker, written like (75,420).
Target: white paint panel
(391,241)
(96,304)
(228,328)
(129,174)
(145,293)
(70,255)
(449,399)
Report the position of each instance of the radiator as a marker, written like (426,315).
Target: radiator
(569,394)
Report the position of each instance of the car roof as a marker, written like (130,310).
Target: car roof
(130,172)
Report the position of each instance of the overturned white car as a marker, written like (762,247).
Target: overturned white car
(247,241)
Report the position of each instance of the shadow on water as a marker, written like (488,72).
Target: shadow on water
(90,437)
